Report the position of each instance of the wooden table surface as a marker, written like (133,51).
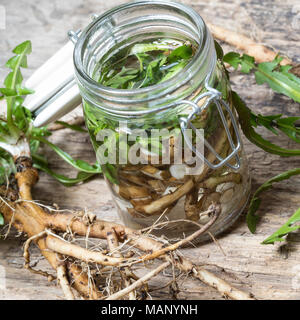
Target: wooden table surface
(269,272)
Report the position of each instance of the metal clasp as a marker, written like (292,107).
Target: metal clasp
(213,96)
(74,35)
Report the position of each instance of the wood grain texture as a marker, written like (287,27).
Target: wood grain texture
(267,271)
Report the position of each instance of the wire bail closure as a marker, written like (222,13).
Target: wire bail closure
(74,35)
(213,96)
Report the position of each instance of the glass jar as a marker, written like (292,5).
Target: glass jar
(198,97)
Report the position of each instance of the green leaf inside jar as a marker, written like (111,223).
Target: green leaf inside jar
(145,64)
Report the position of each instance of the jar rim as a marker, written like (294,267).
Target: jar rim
(163,87)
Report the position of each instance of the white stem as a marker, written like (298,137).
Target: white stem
(20,149)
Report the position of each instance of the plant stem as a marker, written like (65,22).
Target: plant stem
(14,131)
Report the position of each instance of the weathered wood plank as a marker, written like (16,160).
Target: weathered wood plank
(267,271)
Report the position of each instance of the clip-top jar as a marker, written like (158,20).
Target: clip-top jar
(198,98)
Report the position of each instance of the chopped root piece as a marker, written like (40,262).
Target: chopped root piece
(162,203)
(133,178)
(155,173)
(178,171)
(129,192)
(141,201)
(157,186)
(213,182)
